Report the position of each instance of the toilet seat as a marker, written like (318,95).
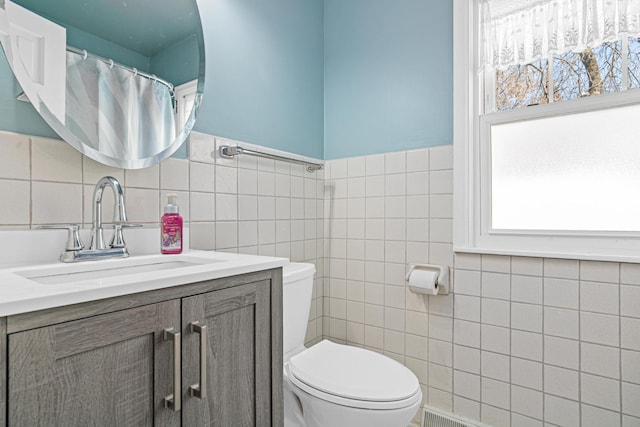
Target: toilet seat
(353,377)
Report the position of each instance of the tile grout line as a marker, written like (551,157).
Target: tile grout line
(544,365)
(31,182)
(480,333)
(579,344)
(620,341)
(510,346)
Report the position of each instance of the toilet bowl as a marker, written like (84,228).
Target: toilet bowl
(334,385)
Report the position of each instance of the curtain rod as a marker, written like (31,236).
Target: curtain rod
(111,63)
(229,152)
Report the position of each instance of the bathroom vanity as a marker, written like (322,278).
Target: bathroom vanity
(187,340)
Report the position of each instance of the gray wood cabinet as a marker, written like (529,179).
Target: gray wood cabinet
(108,370)
(237,358)
(109,363)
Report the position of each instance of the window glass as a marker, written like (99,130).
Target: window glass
(522,85)
(634,62)
(591,72)
(576,172)
(594,71)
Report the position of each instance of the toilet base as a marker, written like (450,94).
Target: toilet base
(292,408)
(303,410)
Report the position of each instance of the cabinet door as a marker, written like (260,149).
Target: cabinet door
(108,370)
(237,356)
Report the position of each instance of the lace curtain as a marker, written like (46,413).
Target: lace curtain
(523,31)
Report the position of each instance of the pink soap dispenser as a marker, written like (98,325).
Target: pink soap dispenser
(171,227)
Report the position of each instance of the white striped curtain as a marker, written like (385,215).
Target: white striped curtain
(120,114)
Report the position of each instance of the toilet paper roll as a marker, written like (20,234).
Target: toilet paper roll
(423,282)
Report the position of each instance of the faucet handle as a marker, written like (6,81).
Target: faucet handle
(118,238)
(74,242)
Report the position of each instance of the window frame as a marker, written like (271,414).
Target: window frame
(472,180)
(180,93)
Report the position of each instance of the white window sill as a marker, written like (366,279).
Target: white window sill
(633,258)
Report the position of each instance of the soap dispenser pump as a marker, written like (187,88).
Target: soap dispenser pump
(171,227)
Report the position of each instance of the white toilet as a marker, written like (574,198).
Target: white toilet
(333,385)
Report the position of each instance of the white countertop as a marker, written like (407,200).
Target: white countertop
(19,294)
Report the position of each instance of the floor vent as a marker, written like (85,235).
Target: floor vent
(432,417)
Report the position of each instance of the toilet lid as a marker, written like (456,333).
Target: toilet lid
(353,373)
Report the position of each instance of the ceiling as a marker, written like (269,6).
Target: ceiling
(144,26)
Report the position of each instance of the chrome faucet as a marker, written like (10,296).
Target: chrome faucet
(119,213)
(98,249)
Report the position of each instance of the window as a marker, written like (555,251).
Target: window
(570,75)
(546,128)
(184,98)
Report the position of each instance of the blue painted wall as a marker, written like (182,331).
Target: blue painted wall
(332,78)
(264,81)
(21,117)
(18,116)
(177,63)
(388,75)
(107,49)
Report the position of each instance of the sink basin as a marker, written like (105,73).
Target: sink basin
(34,287)
(70,273)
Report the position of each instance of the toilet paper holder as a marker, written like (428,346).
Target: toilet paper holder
(442,281)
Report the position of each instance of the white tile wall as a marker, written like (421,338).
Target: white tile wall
(143,178)
(521,341)
(384,212)
(535,339)
(16,208)
(568,349)
(44,181)
(258,206)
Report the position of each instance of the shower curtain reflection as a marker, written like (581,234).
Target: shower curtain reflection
(107,107)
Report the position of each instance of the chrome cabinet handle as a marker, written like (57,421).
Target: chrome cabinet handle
(174,400)
(200,390)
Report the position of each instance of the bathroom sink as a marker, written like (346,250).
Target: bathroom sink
(71,273)
(41,286)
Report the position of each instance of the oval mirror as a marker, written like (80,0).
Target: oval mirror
(121,81)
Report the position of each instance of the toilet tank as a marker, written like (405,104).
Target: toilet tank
(297,281)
